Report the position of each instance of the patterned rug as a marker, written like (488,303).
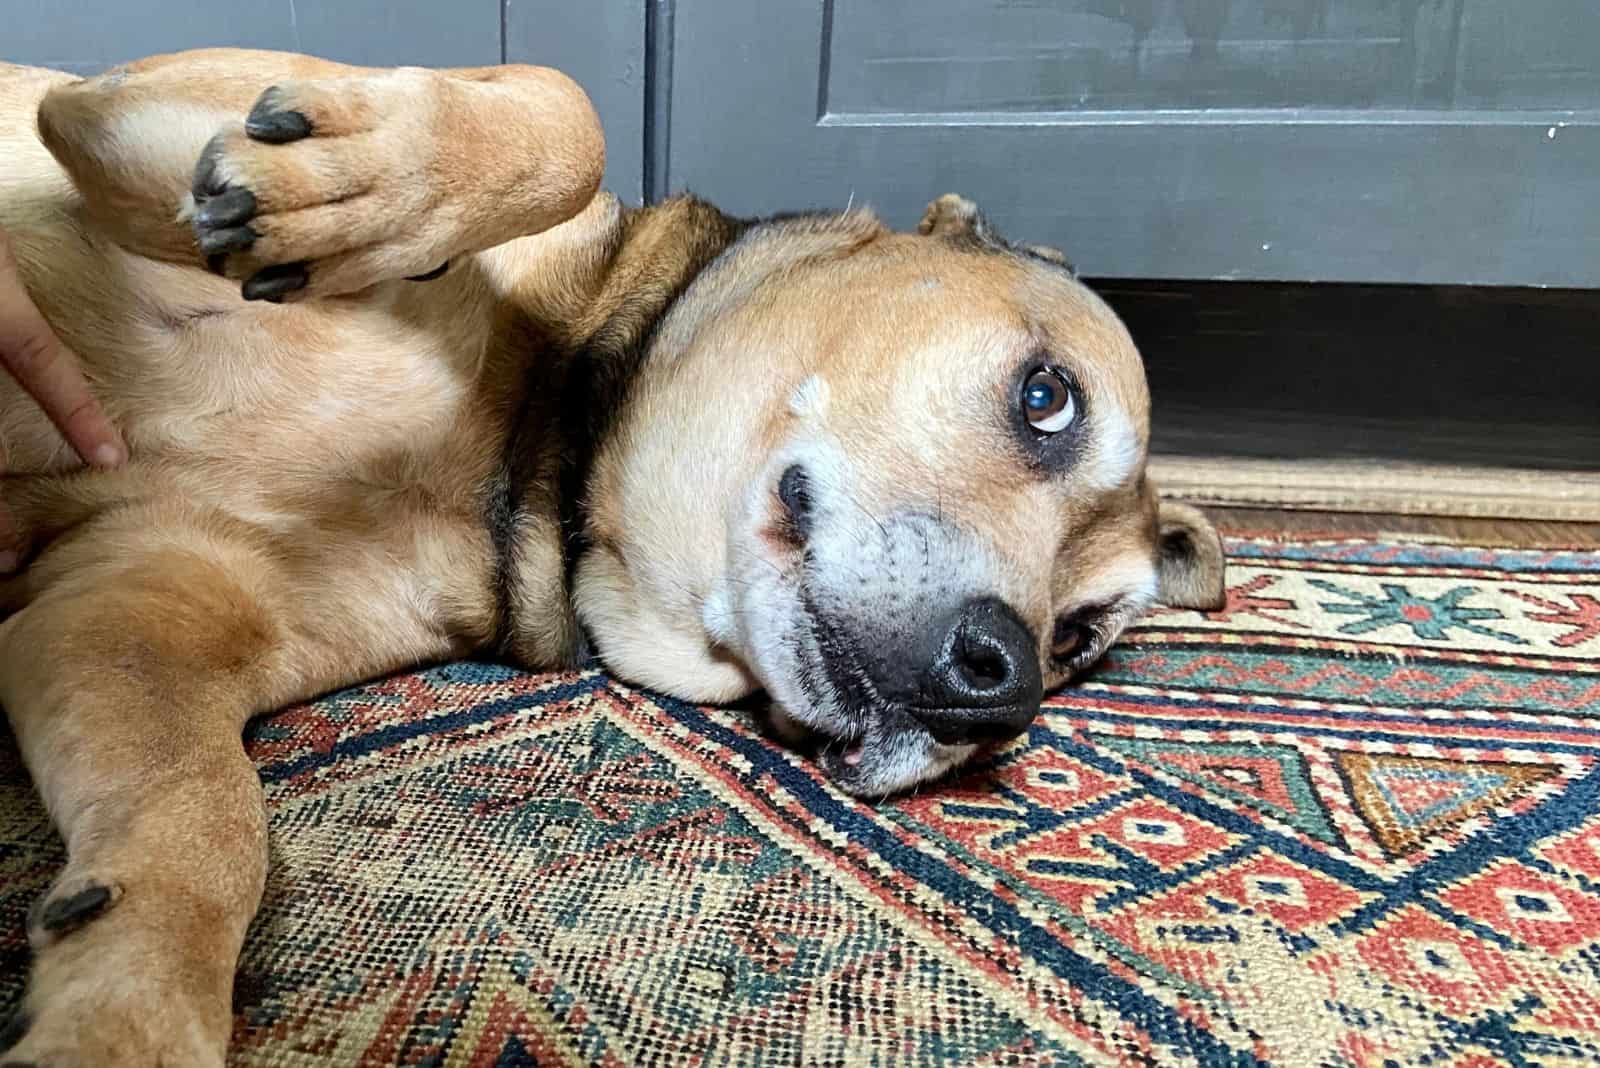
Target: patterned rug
(1352,819)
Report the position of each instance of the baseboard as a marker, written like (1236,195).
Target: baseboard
(1381,486)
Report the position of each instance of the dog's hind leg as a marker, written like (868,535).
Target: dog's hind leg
(127,680)
(127,698)
(140,643)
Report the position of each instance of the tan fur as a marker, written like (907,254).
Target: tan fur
(306,502)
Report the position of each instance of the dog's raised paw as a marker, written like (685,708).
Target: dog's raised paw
(318,191)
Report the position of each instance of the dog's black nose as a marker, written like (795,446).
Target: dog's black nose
(984,682)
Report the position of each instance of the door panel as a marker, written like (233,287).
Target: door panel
(86,37)
(601,45)
(1086,55)
(1362,140)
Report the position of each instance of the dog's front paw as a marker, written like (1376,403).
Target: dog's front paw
(325,188)
(107,988)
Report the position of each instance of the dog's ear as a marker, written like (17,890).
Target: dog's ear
(1189,566)
(954,216)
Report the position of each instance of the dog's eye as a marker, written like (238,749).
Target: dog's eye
(1071,636)
(1047,402)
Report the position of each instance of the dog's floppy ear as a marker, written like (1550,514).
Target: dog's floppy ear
(1189,564)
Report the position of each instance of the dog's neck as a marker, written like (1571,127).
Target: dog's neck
(600,312)
(605,312)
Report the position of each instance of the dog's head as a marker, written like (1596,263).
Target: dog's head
(896,480)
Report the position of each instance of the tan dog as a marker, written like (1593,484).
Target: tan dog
(897,480)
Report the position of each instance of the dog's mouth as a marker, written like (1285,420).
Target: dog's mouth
(867,744)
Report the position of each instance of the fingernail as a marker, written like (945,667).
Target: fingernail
(9,561)
(109,455)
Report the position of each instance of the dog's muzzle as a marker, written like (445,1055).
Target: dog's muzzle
(971,675)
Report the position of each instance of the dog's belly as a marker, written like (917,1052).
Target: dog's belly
(185,367)
(356,439)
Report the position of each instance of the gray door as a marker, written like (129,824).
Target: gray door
(86,36)
(1371,140)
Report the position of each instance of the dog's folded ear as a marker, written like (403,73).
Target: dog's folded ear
(1190,568)
(954,217)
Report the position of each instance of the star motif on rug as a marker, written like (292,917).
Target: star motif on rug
(1431,618)
(1583,616)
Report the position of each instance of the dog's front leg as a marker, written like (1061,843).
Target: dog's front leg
(331,186)
(127,693)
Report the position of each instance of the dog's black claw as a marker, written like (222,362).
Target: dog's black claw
(207,183)
(271,283)
(19,1064)
(61,914)
(431,275)
(216,262)
(234,205)
(232,239)
(269,121)
(14,1029)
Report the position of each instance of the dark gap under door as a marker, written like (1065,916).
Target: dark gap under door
(1430,374)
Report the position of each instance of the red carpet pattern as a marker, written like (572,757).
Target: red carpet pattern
(1352,819)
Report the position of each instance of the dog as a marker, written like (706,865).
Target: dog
(400,384)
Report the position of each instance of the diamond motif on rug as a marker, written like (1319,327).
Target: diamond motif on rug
(1458,972)
(1530,906)
(1407,800)
(1269,778)
(1152,832)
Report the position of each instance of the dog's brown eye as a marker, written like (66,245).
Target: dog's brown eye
(1076,635)
(1047,402)
(1070,636)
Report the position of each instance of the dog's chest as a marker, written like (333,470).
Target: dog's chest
(306,386)
(363,439)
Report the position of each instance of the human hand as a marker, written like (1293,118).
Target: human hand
(49,371)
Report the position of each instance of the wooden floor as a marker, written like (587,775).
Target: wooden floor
(1491,532)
